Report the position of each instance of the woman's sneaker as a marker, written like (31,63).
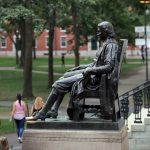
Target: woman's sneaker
(20,139)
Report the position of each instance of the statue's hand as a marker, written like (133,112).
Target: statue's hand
(73,69)
(87,71)
(86,76)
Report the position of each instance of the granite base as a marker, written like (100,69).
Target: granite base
(54,135)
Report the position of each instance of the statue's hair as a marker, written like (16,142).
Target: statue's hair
(107,27)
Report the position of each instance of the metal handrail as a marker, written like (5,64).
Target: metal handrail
(138,93)
(135,90)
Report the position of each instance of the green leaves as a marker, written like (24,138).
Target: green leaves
(15,14)
(124,15)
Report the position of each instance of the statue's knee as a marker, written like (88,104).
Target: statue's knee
(55,91)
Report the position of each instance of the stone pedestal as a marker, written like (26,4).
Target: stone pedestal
(74,138)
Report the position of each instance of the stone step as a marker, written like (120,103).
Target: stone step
(139,144)
(138,126)
(140,141)
(147,120)
(139,135)
(137,147)
(135,127)
(147,128)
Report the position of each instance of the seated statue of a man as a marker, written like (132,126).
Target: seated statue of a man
(102,64)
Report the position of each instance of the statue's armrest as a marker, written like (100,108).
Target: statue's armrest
(81,67)
(72,73)
(76,70)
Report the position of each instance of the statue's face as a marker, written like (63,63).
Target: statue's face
(101,34)
(104,30)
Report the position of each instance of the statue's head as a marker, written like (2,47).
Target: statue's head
(104,30)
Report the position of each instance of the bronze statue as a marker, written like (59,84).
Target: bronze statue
(86,75)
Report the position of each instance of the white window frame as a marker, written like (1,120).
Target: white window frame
(92,45)
(36,43)
(5,42)
(63,46)
(62,30)
(46,41)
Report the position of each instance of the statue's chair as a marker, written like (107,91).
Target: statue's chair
(106,92)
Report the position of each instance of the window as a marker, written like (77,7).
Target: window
(93,44)
(3,42)
(62,29)
(47,42)
(35,43)
(63,42)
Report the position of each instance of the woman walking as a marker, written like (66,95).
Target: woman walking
(19,112)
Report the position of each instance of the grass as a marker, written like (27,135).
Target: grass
(41,64)
(12,81)
(6,126)
(126,69)
(5,109)
(7,62)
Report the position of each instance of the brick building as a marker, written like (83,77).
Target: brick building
(61,44)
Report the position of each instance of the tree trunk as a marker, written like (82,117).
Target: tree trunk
(22,33)
(51,26)
(76,33)
(17,57)
(18,47)
(15,42)
(27,72)
(34,50)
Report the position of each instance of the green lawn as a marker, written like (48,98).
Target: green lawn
(7,62)
(6,126)
(12,81)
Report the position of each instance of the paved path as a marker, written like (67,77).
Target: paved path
(125,84)
(133,80)
(20,70)
(13,141)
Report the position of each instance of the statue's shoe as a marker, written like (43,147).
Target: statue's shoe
(36,117)
(52,114)
(105,117)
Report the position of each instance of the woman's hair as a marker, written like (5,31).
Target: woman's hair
(38,102)
(19,97)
